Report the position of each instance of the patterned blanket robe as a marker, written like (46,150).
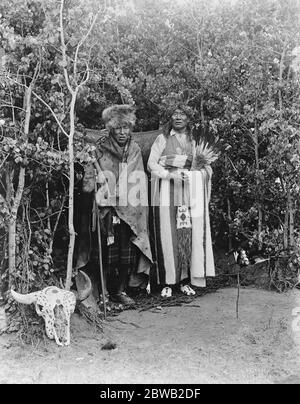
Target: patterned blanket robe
(125,190)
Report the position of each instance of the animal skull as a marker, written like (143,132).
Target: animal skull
(55,305)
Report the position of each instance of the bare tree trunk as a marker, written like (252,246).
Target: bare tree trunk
(13,225)
(260,214)
(259,227)
(280,80)
(285,187)
(27,208)
(71,194)
(229,231)
(48,205)
(229,215)
(73,87)
(286,216)
(18,195)
(292,238)
(286,230)
(56,225)
(291,218)
(11,251)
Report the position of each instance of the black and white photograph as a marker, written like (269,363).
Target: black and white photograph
(149,195)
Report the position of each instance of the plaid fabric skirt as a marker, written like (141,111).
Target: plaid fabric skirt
(122,251)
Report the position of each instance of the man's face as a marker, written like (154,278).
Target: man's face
(179,120)
(121,134)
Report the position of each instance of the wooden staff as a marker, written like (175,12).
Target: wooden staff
(100,249)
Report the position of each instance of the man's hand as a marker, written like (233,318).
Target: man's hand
(178,176)
(101,179)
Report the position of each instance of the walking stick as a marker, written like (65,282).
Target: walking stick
(100,249)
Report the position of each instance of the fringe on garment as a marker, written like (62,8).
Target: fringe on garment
(184,238)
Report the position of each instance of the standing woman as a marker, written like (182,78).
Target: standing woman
(180,192)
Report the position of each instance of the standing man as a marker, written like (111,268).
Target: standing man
(121,197)
(180,192)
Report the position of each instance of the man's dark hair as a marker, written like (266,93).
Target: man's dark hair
(187,111)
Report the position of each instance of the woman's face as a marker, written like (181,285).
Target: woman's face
(121,134)
(179,120)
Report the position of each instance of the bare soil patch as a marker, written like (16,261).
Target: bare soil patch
(198,342)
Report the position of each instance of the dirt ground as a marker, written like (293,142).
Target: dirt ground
(199,342)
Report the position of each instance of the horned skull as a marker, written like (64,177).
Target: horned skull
(55,305)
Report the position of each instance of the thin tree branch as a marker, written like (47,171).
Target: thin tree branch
(52,112)
(49,216)
(6,157)
(43,102)
(63,47)
(11,106)
(81,42)
(56,223)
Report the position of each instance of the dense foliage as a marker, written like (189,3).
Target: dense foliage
(233,62)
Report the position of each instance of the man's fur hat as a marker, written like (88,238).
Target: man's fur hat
(118,115)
